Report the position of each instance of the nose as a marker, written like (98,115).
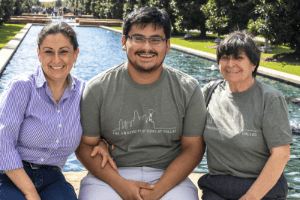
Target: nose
(56,58)
(231,61)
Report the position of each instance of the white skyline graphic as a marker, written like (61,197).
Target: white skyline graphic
(141,124)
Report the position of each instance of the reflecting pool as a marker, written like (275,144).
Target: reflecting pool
(101,49)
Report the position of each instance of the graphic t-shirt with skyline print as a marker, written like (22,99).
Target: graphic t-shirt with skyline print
(144,122)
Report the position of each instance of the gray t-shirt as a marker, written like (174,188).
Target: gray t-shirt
(242,128)
(144,122)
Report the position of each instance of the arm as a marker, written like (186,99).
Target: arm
(126,189)
(12,111)
(192,152)
(270,173)
(20,178)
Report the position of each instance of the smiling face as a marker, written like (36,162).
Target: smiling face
(237,70)
(145,57)
(57,56)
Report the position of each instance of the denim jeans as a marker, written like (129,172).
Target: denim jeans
(49,182)
(224,187)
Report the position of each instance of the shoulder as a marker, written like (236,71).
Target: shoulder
(104,77)
(268,91)
(184,80)
(79,83)
(22,82)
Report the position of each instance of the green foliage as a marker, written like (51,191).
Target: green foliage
(58,3)
(217,20)
(191,16)
(6,9)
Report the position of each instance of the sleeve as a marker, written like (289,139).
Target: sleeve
(12,111)
(276,127)
(90,112)
(195,116)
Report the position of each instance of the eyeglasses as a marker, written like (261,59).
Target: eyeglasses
(139,39)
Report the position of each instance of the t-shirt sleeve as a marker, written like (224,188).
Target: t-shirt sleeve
(276,127)
(90,112)
(195,116)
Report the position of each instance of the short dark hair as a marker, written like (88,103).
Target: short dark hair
(55,28)
(237,42)
(148,15)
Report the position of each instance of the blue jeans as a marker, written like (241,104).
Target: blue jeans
(224,187)
(48,180)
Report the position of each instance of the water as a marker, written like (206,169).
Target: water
(101,49)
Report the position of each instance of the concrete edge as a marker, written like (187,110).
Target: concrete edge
(271,73)
(10,48)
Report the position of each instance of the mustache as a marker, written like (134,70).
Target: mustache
(148,52)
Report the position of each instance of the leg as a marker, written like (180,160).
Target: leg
(60,190)
(8,190)
(207,194)
(53,185)
(91,188)
(185,190)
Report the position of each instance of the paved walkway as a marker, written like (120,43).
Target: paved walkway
(75,177)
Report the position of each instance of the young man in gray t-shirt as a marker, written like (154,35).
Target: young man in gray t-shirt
(153,115)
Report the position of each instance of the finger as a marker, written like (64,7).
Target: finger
(94,152)
(112,163)
(146,185)
(104,160)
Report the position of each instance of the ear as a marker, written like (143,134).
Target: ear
(168,45)
(124,42)
(76,54)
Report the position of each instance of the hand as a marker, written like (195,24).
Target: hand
(133,188)
(150,194)
(32,196)
(102,149)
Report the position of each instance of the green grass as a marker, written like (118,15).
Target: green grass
(7,32)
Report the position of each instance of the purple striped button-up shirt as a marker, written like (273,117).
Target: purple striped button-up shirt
(33,127)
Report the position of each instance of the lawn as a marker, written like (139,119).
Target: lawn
(7,32)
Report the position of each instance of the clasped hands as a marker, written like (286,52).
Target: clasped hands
(133,190)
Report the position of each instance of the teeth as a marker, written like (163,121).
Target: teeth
(148,55)
(57,67)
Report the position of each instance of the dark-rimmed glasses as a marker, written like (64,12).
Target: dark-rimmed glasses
(139,39)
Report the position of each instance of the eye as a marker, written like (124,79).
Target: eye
(155,40)
(138,38)
(48,52)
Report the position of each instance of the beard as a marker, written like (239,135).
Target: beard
(144,69)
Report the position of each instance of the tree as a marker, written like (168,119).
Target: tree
(58,3)
(216,18)
(192,16)
(6,9)
(229,14)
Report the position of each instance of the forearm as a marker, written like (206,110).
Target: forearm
(270,174)
(93,165)
(181,167)
(22,181)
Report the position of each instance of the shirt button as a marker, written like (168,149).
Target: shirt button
(58,111)
(57,141)
(42,159)
(59,125)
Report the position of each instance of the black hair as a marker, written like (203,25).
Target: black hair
(148,15)
(55,28)
(237,42)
